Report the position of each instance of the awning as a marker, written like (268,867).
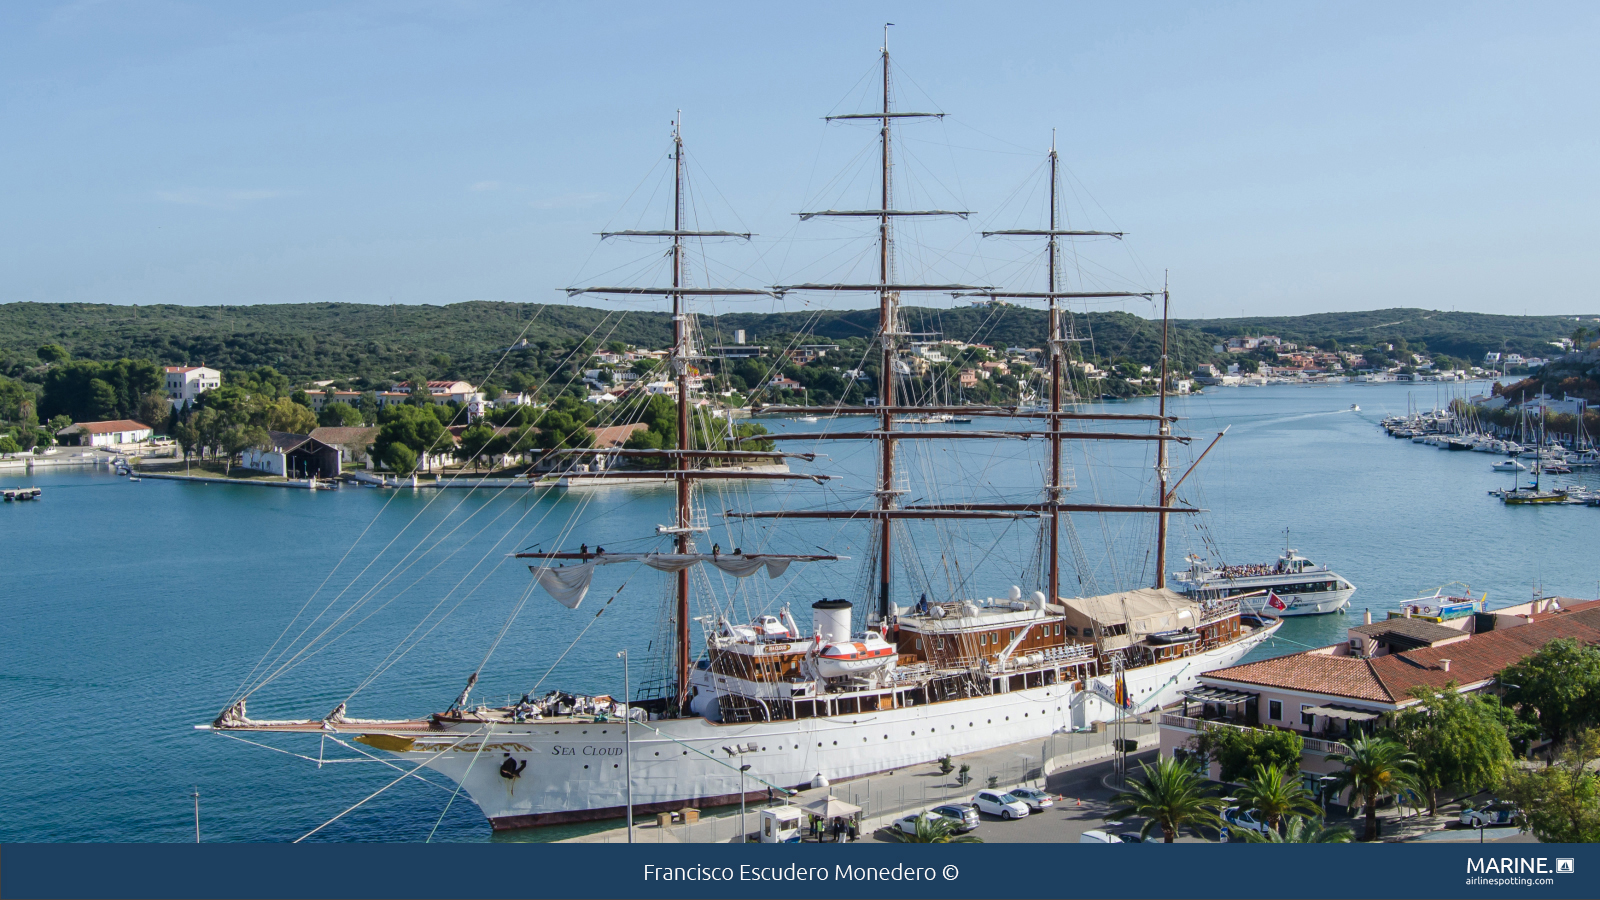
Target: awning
(831,807)
(1342,712)
(1206,694)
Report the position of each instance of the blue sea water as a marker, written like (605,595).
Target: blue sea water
(134,611)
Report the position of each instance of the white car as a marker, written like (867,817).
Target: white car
(1098,837)
(998,803)
(1238,817)
(1495,812)
(1036,800)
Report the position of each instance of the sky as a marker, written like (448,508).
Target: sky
(1266,158)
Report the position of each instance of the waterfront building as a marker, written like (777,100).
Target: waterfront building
(185,383)
(113,433)
(1332,693)
(353,442)
(293,455)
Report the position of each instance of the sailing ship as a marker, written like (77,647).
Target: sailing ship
(869,684)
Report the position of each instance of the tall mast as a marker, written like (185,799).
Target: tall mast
(886,373)
(1054,490)
(681,468)
(1161,449)
(680,362)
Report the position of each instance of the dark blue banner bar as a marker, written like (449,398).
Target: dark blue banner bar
(867,870)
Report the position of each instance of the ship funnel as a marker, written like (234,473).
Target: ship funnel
(831,620)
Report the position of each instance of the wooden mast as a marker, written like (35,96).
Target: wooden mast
(886,373)
(1161,449)
(1054,492)
(680,362)
(681,468)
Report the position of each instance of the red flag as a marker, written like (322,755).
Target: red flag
(1274,602)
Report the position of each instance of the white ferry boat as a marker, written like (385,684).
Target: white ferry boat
(1300,585)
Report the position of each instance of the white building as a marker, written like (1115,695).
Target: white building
(105,434)
(184,383)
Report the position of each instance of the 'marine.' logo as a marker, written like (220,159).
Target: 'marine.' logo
(1516,865)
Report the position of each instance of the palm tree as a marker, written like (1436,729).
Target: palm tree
(1172,795)
(1302,830)
(932,829)
(1375,767)
(1274,794)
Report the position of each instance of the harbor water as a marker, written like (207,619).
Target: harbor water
(134,611)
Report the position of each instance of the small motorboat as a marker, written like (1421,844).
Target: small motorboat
(1355,408)
(1508,465)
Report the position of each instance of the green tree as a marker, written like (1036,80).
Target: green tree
(102,401)
(9,445)
(1558,687)
(153,409)
(414,426)
(1375,767)
(287,415)
(1302,830)
(1170,795)
(236,439)
(1240,751)
(932,829)
(188,438)
(1561,803)
(335,415)
(1274,794)
(1457,740)
(474,441)
(53,353)
(400,458)
(368,406)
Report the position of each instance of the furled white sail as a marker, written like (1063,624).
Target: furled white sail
(569,584)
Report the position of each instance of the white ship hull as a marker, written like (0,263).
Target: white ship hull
(1311,604)
(576,772)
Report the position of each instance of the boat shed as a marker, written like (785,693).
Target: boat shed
(293,456)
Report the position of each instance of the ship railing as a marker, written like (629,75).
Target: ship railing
(1212,610)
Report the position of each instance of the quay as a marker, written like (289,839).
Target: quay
(1054,762)
(312,484)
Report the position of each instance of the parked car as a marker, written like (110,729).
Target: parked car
(1132,837)
(1238,817)
(1098,837)
(962,819)
(1036,800)
(997,803)
(1495,812)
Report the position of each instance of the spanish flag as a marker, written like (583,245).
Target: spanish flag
(1122,691)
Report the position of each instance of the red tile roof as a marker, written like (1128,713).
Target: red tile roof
(1390,678)
(111,427)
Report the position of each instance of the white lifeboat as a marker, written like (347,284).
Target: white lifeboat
(862,654)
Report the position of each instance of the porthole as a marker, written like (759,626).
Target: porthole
(586,767)
(614,766)
(836,743)
(886,737)
(658,752)
(819,743)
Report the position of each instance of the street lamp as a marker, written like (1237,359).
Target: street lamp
(627,739)
(744,835)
